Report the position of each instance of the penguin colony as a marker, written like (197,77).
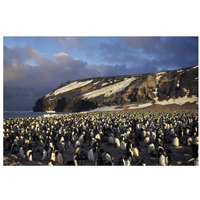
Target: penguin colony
(104,138)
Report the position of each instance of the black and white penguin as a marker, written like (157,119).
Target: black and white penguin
(91,155)
(111,139)
(29,155)
(123,145)
(116,142)
(21,152)
(44,154)
(169,160)
(136,153)
(108,157)
(60,158)
(162,160)
(151,148)
(175,141)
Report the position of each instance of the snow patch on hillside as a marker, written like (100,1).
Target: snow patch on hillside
(179,101)
(111,89)
(106,108)
(138,106)
(69,87)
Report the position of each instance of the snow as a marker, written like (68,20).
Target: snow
(104,84)
(106,108)
(138,106)
(69,87)
(158,76)
(96,83)
(195,67)
(179,101)
(110,90)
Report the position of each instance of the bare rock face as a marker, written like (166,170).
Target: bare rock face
(156,88)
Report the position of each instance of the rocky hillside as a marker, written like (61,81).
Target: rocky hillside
(130,91)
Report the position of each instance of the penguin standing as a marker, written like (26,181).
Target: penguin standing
(175,141)
(151,148)
(123,145)
(21,152)
(108,157)
(162,160)
(44,154)
(60,158)
(29,155)
(117,143)
(91,155)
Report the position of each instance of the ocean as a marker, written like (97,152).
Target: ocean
(22,114)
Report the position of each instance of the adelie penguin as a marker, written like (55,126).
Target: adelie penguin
(91,155)
(175,141)
(21,153)
(60,158)
(151,148)
(29,155)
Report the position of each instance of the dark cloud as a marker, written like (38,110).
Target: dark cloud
(24,83)
(28,74)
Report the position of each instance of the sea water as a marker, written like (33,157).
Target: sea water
(23,114)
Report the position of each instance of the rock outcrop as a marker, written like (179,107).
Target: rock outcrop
(169,87)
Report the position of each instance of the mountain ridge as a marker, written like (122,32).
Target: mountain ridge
(90,93)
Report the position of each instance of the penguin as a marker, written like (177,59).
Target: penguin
(44,154)
(123,145)
(76,159)
(146,139)
(21,152)
(169,160)
(151,148)
(153,136)
(77,143)
(175,141)
(29,155)
(117,143)
(91,155)
(136,152)
(60,158)
(111,139)
(108,157)
(162,160)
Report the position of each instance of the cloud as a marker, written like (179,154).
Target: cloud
(61,55)
(68,42)
(28,74)
(151,52)
(24,83)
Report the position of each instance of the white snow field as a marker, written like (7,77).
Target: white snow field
(179,101)
(109,90)
(138,106)
(69,87)
(107,108)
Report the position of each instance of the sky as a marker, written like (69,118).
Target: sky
(34,66)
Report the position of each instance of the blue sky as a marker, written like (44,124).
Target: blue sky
(33,66)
